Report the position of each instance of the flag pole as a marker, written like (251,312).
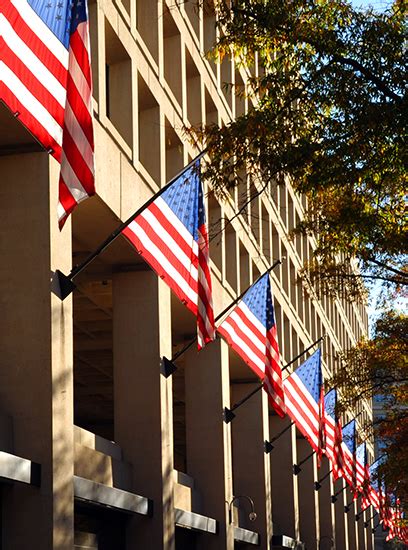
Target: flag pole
(229,413)
(269,444)
(334,497)
(376,526)
(66,281)
(360,514)
(297,467)
(317,484)
(348,505)
(367,522)
(168,364)
(303,352)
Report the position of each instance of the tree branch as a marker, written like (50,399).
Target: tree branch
(368,74)
(388,268)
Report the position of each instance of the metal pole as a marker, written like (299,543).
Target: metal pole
(297,467)
(168,364)
(66,284)
(229,414)
(303,352)
(224,311)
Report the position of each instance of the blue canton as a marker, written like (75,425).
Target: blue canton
(310,373)
(185,198)
(361,453)
(330,402)
(61,16)
(259,300)
(349,436)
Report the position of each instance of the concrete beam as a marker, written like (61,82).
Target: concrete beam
(16,469)
(195,521)
(246,536)
(102,495)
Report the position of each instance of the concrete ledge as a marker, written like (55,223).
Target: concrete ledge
(246,536)
(183,479)
(190,520)
(98,443)
(282,541)
(102,495)
(16,469)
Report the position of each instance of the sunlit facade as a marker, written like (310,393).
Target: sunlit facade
(99,450)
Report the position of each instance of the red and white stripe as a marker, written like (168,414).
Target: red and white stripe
(333,449)
(360,476)
(49,88)
(374,498)
(348,466)
(303,410)
(170,249)
(258,347)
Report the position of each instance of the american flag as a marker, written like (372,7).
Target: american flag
(361,468)
(385,512)
(304,400)
(250,329)
(333,433)
(45,79)
(349,453)
(171,235)
(394,519)
(372,494)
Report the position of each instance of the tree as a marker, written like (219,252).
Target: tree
(378,369)
(327,111)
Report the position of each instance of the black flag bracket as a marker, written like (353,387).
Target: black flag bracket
(268,445)
(297,467)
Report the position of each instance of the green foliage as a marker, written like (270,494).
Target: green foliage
(327,109)
(379,367)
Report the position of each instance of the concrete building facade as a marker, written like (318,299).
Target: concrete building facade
(98,449)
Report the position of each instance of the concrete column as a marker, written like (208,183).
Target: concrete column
(251,465)
(351,522)
(143,400)
(209,438)
(284,483)
(342,540)
(308,499)
(326,509)
(361,532)
(36,387)
(369,543)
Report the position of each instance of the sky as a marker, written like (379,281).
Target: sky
(379,5)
